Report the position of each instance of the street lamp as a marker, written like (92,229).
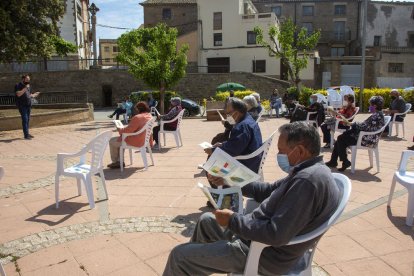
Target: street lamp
(93,9)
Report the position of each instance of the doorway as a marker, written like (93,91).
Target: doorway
(106,95)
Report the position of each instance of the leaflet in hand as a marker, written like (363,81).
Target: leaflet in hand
(221,116)
(229,198)
(223,165)
(118,124)
(205,145)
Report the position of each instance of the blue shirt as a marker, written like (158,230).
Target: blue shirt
(25,99)
(245,138)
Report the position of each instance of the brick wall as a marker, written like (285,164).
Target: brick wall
(121,83)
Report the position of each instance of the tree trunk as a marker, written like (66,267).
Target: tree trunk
(162,96)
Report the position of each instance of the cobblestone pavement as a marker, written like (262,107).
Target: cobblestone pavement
(149,212)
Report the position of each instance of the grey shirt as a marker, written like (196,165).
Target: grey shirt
(399,104)
(292,206)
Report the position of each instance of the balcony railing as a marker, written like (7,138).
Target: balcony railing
(336,36)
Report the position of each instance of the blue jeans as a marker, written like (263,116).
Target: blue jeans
(25,113)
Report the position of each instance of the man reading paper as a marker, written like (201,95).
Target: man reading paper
(294,205)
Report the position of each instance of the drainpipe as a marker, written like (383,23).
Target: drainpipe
(364,40)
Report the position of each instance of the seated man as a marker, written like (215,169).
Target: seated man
(314,106)
(245,136)
(173,112)
(397,106)
(125,107)
(294,205)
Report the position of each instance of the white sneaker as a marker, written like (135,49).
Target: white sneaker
(200,166)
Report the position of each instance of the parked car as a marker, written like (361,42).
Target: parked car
(191,107)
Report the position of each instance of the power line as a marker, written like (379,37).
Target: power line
(113,27)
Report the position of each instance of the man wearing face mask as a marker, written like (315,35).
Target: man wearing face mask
(294,205)
(245,136)
(397,106)
(24,97)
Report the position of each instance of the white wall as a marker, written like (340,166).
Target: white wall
(390,21)
(67,30)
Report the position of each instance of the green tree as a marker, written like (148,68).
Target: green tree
(151,54)
(292,45)
(29,29)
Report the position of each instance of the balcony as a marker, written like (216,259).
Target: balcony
(335,36)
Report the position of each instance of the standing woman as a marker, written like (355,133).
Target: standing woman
(350,137)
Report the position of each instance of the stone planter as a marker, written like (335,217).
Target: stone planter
(211,110)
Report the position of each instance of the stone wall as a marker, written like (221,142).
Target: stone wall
(60,117)
(107,87)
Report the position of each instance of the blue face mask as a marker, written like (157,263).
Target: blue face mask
(311,101)
(371,109)
(283,161)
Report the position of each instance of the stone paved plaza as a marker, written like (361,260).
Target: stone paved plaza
(149,212)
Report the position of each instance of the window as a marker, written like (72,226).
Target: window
(339,30)
(307,10)
(107,60)
(166,14)
(277,10)
(340,9)
(395,67)
(411,40)
(377,40)
(337,51)
(106,48)
(115,49)
(308,27)
(79,10)
(259,66)
(217,21)
(251,37)
(218,39)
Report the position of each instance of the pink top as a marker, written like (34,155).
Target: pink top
(137,122)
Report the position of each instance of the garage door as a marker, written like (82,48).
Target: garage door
(351,75)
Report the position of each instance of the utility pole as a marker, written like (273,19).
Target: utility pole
(363,46)
(93,9)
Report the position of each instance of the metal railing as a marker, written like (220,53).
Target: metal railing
(55,97)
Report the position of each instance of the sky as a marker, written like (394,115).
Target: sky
(121,13)
(117,13)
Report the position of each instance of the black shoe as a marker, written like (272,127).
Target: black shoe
(27,137)
(327,146)
(410,148)
(110,116)
(345,165)
(209,204)
(30,136)
(331,164)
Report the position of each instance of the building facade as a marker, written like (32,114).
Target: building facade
(228,41)
(108,50)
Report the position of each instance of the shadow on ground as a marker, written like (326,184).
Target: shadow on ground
(66,209)
(399,223)
(190,220)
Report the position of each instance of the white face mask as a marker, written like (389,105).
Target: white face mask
(230,120)
(345,103)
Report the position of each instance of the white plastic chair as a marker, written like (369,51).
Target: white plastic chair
(143,150)
(371,151)
(154,111)
(264,148)
(260,115)
(405,178)
(313,121)
(83,171)
(396,123)
(305,267)
(2,272)
(341,130)
(346,90)
(176,132)
(1,172)
(322,99)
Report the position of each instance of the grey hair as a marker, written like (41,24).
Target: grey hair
(176,100)
(250,101)
(237,105)
(301,133)
(257,96)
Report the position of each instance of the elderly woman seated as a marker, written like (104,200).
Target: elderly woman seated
(346,112)
(252,105)
(301,111)
(350,137)
(175,109)
(137,123)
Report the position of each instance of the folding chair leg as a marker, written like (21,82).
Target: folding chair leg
(121,158)
(353,160)
(181,140)
(159,141)
(57,190)
(177,142)
(377,159)
(370,155)
(144,158)
(410,208)
(89,191)
(165,141)
(150,153)
(131,159)
(394,181)
(389,129)
(78,182)
(403,129)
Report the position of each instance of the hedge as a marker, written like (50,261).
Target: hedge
(306,92)
(222,96)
